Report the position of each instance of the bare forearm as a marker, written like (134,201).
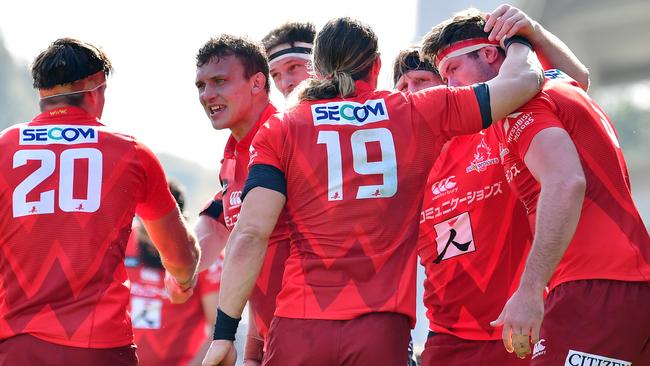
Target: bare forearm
(558,212)
(212,237)
(555,54)
(244,258)
(183,265)
(520,78)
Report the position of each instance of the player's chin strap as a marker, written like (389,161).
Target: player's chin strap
(297,49)
(225,326)
(87,84)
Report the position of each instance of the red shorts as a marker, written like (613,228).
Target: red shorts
(595,322)
(446,349)
(371,339)
(27,350)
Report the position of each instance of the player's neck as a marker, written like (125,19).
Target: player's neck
(52,106)
(241,129)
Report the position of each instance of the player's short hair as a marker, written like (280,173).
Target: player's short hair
(344,51)
(409,60)
(464,25)
(178,192)
(289,33)
(65,61)
(249,53)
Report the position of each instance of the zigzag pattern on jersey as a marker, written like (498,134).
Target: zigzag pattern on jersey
(486,284)
(67,270)
(152,351)
(262,300)
(364,258)
(622,212)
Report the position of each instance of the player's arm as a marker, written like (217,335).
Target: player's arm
(554,162)
(264,199)
(519,79)
(254,349)
(212,236)
(507,21)
(247,246)
(177,246)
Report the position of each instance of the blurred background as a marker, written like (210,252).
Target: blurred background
(153,43)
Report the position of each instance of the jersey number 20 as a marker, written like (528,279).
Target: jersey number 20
(387,166)
(45,203)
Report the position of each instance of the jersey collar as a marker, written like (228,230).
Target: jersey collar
(68,115)
(362,87)
(233,146)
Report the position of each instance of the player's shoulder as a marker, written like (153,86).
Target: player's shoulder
(558,81)
(562,90)
(430,95)
(12,130)
(112,133)
(559,76)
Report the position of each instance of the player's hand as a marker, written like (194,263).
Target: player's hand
(221,353)
(507,21)
(521,318)
(252,363)
(177,293)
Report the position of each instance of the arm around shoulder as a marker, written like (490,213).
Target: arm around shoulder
(520,78)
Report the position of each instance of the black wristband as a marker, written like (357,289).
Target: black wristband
(516,39)
(225,327)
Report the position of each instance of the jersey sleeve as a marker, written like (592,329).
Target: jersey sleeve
(519,128)
(453,111)
(157,200)
(214,208)
(268,144)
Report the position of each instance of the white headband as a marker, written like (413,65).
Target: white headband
(300,50)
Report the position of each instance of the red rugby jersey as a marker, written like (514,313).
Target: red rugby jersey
(233,174)
(69,189)
(474,237)
(611,241)
(355,173)
(166,333)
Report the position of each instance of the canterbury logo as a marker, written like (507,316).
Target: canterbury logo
(539,348)
(443,185)
(235,198)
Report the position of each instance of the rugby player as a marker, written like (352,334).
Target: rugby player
(471,255)
(350,162)
(70,187)
(288,49)
(232,79)
(562,158)
(167,333)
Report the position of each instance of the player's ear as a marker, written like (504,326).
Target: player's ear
(258,83)
(490,54)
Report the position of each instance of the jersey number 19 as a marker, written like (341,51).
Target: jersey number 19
(387,166)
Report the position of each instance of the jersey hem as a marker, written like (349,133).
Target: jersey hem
(79,344)
(555,283)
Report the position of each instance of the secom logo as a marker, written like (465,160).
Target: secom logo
(58,134)
(349,113)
